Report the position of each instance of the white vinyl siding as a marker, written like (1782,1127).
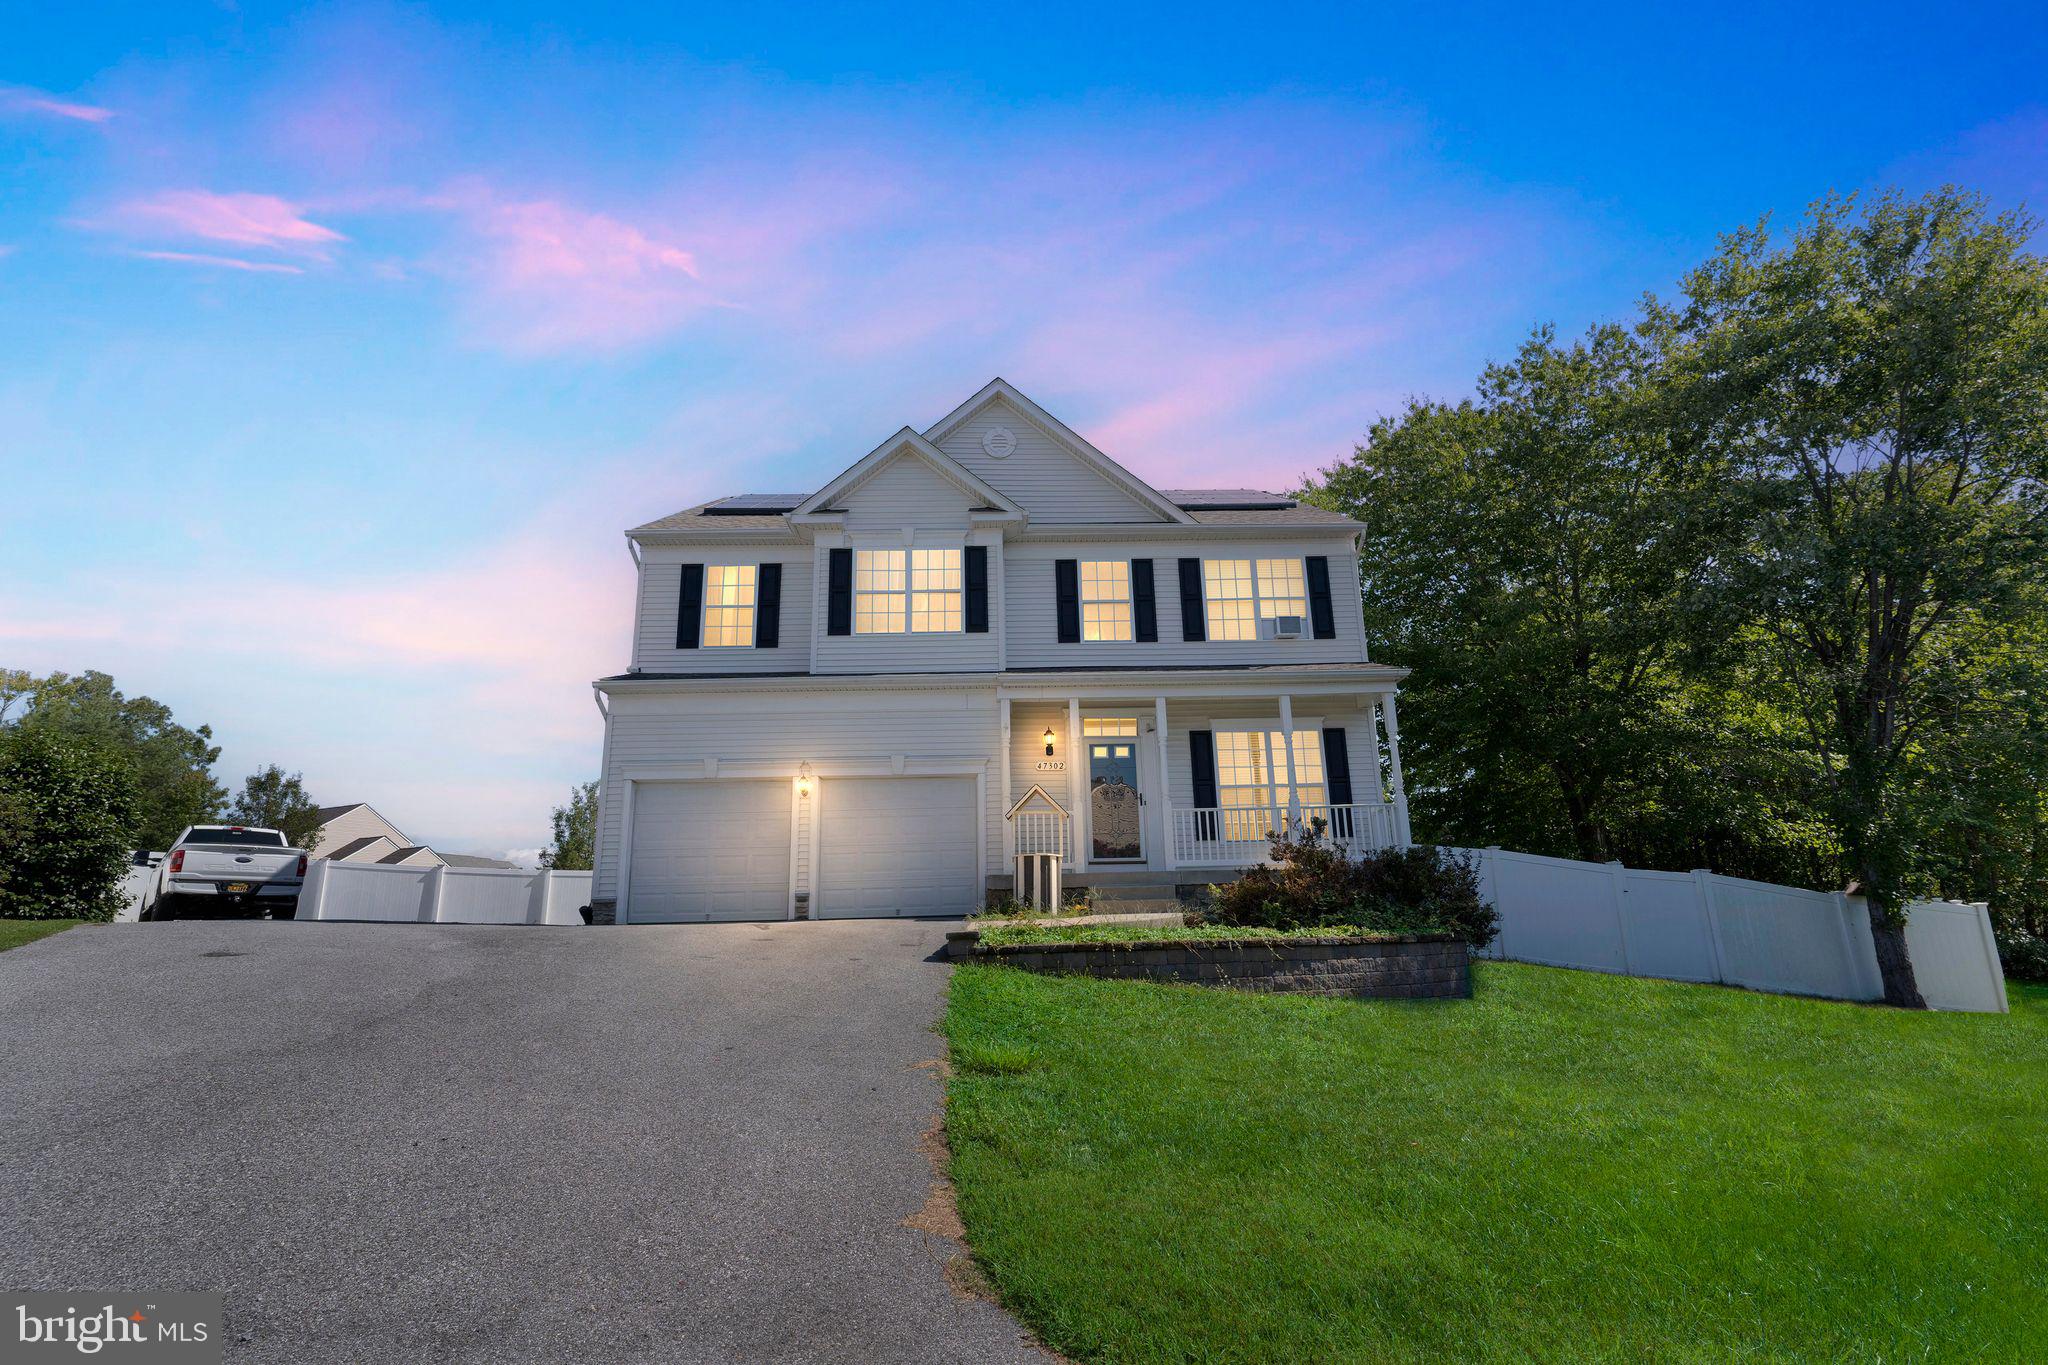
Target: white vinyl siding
(651,736)
(1041,475)
(906,492)
(660,589)
(1032,605)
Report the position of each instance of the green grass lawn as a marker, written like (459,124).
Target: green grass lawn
(1566,1167)
(15,932)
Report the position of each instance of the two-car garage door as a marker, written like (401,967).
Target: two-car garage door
(882,846)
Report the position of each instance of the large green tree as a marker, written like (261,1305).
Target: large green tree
(275,799)
(574,847)
(65,812)
(1877,387)
(172,764)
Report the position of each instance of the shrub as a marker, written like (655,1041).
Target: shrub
(1314,884)
(66,815)
(2024,956)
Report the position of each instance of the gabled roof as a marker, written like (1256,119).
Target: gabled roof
(354,846)
(327,813)
(474,860)
(907,441)
(1039,792)
(402,854)
(1063,435)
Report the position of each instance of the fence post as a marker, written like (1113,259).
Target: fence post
(1704,880)
(1489,867)
(437,885)
(1617,876)
(1992,962)
(319,869)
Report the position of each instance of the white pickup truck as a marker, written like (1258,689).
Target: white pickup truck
(227,870)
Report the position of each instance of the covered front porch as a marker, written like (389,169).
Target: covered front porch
(1191,773)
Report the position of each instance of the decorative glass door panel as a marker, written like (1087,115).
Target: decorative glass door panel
(1116,819)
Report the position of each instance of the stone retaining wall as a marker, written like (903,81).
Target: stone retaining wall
(1397,968)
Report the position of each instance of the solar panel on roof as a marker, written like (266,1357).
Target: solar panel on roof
(755,504)
(1226,499)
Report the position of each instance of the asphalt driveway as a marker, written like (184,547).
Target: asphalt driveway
(423,1143)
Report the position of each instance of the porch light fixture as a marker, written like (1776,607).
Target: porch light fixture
(1048,741)
(803,781)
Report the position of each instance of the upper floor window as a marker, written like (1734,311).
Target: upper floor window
(1239,593)
(1105,599)
(729,601)
(922,591)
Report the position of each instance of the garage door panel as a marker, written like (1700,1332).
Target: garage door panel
(899,846)
(709,851)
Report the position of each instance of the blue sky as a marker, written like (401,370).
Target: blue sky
(377,323)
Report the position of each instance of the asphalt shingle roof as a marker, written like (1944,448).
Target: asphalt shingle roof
(1233,513)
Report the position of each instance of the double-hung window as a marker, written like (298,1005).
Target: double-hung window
(729,599)
(1251,779)
(1105,599)
(1239,593)
(921,591)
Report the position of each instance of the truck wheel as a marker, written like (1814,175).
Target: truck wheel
(288,910)
(166,908)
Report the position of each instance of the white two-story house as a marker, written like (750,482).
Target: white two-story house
(840,702)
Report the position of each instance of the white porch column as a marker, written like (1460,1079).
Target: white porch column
(1077,826)
(1009,833)
(1394,761)
(1287,738)
(1166,856)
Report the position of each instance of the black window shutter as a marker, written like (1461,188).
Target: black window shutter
(1194,620)
(1144,606)
(839,593)
(1337,776)
(690,606)
(1202,763)
(977,589)
(1322,620)
(1067,577)
(768,608)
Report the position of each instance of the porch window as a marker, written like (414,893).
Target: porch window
(1239,593)
(1251,778)
(1105,599)
(878,592)
(729,604)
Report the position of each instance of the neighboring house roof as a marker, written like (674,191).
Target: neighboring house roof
(1301,514)
(327,813)
(702,518)
(353,847)
(400,855)
(473,860)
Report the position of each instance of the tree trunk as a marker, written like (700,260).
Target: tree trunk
(1888,936)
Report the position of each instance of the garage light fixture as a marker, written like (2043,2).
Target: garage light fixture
(803,781)
(1048,741)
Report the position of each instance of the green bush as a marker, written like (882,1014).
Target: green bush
(67,812)
(2024,956)
(1314,884)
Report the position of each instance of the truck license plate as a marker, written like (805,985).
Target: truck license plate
(237,888)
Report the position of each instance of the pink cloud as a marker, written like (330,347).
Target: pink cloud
(32,101)
(260,220)
(556,277)
(224,262)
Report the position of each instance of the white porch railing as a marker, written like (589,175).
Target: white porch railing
(1238,836)
(1042,831)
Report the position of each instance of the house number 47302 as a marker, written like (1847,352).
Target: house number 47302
(1052,765)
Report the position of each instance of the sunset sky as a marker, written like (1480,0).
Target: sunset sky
(339,344)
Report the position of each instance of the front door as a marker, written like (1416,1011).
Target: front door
(1116,821)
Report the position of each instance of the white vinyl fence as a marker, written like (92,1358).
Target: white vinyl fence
(442,895)
(1699,926)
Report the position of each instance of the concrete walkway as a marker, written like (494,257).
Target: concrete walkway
(425,1143)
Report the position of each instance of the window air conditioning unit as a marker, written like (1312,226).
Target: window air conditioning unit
(1287,627)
